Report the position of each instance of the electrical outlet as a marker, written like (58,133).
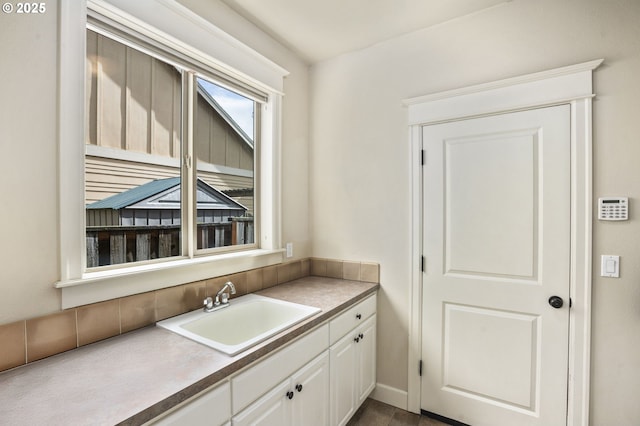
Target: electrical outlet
(289,249)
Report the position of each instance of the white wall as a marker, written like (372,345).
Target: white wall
(28,144)
(28,164)
(360,194)
(359,157)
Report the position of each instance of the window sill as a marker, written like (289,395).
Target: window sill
(99,286)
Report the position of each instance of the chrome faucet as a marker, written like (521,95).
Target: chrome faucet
(210,305)
(225,296)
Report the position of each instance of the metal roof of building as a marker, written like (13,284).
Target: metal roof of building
(165,194)
(135,195)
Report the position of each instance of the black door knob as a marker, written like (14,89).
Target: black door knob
(556,302)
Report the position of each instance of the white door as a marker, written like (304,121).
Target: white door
(497,247)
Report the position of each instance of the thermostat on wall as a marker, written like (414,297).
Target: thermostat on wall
(613,208)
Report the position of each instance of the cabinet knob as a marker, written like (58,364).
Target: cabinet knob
(299,387)
(290,395)
(358,316)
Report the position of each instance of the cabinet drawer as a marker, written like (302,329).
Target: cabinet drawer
(256,381)
(351,318)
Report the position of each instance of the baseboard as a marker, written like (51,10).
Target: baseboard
(389,395)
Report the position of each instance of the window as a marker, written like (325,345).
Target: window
(224,137)
(134,176)
(133,150)
(149,195)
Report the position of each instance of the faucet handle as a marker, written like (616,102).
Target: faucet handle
(225,298)
(208,303)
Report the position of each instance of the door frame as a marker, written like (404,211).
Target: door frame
(572,85)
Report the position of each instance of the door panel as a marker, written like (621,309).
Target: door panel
(497,240)
(483,332)
(492,239)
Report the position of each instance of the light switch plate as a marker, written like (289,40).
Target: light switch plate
(610,266)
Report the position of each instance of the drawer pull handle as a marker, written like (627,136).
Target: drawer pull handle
(299,387)
(290,395)
(357,339)
(358,316)
(361,336)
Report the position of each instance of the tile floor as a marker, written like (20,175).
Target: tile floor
(375,413)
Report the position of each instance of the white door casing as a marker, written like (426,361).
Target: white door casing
(496,243)
(572,86)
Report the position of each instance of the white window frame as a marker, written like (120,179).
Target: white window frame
(175,26)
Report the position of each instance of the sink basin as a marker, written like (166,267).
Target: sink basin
(247,321)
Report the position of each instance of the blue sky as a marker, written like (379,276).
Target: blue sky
(237,106)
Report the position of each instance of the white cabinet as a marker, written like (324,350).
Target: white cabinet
(259,379)
(343,381)
(366,360)
(211,407)
(302,399)
(353,360)
(318,379)
(311,395)
(273,409)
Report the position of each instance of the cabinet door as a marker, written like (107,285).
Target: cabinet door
(211,407)
(343,380)
(273,409)
(366,360)
(311,393)
(257,380)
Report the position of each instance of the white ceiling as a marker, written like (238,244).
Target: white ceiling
(321,29)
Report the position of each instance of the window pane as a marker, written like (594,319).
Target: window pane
(224,145)
(133,150)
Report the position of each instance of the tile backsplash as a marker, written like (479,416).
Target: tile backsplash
(50,334)
(29,340)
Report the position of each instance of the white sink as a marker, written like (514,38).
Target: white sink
(247,321)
